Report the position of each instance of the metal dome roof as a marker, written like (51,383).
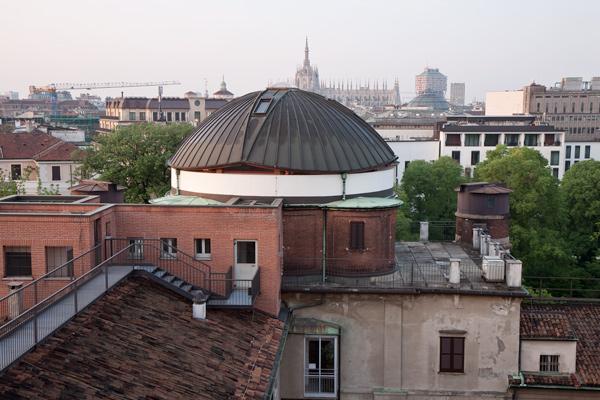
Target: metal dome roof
(430,101)
(285,129)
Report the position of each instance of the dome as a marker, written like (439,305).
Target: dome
(429,101)
(284,129)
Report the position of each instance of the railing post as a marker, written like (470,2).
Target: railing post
(106,277)
(571,288)
(75,296)
(35,326)
(412,273)
(424,231)
(454,277)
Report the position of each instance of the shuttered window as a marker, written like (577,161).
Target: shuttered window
(357,235)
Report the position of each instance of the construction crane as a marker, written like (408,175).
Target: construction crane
(53,87)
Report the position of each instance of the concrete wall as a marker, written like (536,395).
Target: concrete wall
(504,103)
(393,342)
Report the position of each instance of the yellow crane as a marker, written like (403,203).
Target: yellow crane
(53,87)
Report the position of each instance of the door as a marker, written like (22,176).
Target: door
(245,259)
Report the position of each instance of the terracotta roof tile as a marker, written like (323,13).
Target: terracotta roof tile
(38,146)
(545,325)
(140,341)
(584,321)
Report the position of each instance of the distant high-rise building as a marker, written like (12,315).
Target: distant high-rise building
(12,95)
(431,80)
(571,104)
(457,94)
(351,94)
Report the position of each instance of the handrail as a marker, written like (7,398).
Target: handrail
(31,332)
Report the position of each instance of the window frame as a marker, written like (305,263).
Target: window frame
(554,157)
(14,175)
(475,157)
(14,256)
(472,139)
(203,254)
(452,353)
(66,272)
(357,236)
(168,247)
(132,115)
(137,250)
(309,373)
(56,176)
(549,363)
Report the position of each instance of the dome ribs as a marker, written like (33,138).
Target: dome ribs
(300,132)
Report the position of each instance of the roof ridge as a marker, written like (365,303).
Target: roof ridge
(48,148)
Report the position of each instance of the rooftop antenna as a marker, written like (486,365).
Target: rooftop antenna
(206,88)
(161,116)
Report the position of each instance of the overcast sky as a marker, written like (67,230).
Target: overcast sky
(488,45)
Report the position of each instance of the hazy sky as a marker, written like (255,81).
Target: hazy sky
(489,45)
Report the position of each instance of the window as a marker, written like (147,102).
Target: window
(182,117)
(169,116)
(17,261)
(530,140)
(142,116)
(555,172)
(587,152)
(154,116)
(491,139)
(568,152)
(56,172)
(169,247)
(567,165)
(474,157)
(320,366)
(456,156)
(202,248)
(472,139)
(511,139)
(577,151)
(452,354)
(108,229)
(491,201)
(357,235)
(58,256)
(197,116)
(263,106)
(452,140)
(554,157)
(549,363)
(15,172)
(176,116)
(132,115)
(136,249)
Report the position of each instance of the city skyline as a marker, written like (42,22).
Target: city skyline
(488,46)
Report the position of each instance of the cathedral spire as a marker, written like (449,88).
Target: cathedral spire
(306,61)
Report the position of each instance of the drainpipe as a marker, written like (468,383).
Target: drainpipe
(177,171)
(344,176)
(324,241)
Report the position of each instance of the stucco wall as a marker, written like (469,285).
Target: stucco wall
(392,341)
(532,349)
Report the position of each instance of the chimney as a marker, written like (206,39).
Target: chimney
(199,307)
(29,126)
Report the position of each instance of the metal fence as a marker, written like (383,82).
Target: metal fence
(439,231)
(31,315)
(555,287)
(374,273)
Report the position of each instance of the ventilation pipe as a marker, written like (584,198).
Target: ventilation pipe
(344,176)
(199,307)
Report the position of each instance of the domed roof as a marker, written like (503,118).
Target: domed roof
(284,129)
(430,101)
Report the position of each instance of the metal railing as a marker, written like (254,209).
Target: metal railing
(46,314)
(557,287)
(42,288)
(374,273)
(240,292)
(156,253)
(439,231)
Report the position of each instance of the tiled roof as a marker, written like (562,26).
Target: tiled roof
(551,380)
(584,322)
(538,325)
(140,341)
(37,146)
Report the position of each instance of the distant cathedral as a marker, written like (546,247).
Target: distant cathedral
(351,95)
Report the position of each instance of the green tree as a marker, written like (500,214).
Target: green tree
(536,208)
(134,156)
(429,189)
(581,194)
